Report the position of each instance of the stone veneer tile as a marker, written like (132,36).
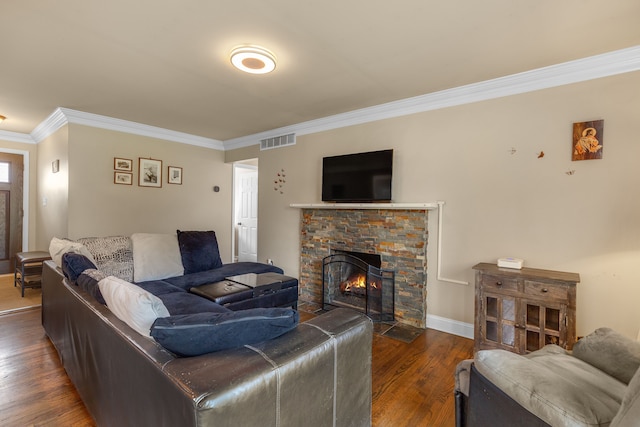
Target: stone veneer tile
(398,236)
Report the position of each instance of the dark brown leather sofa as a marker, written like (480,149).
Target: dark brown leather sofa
(319,374)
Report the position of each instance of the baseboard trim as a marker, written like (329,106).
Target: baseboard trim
(450,326)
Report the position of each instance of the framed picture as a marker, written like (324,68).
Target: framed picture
(120,164)
(124,178)
(175,175)
(587,140)
(149,173)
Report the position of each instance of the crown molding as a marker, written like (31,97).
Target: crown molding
(62,116)
(594,67)
(590,68)
(23,138)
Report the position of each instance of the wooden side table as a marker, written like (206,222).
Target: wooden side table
(523,310)
(28,269)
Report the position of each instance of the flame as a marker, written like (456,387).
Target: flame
(360,282)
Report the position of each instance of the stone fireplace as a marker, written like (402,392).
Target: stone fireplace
(398,235)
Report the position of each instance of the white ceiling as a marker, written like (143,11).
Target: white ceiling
(165,63)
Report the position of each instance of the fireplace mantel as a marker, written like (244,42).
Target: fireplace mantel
(403,206)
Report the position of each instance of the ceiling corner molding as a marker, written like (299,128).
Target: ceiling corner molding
(23,138)
(48,126)
(62,116)
(580,70)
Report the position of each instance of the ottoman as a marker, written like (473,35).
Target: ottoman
(252,291)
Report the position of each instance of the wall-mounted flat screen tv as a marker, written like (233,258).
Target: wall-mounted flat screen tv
(360,177)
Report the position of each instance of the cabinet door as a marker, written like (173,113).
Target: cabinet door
(544,323)
(498,328)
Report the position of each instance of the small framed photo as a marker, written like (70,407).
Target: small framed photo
(124,178)
(175,175)
(588,140)
(149,173)
(121,164)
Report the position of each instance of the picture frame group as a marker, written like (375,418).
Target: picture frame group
(149,172)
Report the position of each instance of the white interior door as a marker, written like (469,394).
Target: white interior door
(247,213)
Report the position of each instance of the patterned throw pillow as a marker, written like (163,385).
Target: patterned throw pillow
(113,255)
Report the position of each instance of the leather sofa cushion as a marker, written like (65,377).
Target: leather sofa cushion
(558,388)
(200,333)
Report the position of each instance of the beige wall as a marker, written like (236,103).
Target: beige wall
(30,151)
(53,188)
(98,207)
(501,199)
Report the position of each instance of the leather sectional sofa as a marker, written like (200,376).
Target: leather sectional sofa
(314,373)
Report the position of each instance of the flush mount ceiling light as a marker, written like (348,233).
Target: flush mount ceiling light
(253,59)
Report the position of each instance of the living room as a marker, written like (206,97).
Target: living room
(482,159)
(501,165)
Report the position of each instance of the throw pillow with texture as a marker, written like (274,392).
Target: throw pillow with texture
(199,251)
(132,304)
(155,256)
(112,255)
(195,334)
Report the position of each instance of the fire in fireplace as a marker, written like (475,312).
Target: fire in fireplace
(355,280)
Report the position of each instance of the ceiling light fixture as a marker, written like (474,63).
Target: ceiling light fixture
(2,118)
(253,59)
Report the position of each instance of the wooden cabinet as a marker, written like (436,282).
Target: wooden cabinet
(523,310)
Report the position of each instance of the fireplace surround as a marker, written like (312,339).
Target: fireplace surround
(397,232)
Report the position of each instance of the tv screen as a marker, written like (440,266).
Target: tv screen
(360,177)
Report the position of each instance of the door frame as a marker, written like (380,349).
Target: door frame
(252,165)
(25,195)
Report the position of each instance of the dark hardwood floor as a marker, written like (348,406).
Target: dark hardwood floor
(412,383)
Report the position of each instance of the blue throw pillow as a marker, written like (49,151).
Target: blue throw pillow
(73,265)
(195,334)
(88,282)
(199,251)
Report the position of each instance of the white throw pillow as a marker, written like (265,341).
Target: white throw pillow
(155,256)
(132,304)
(59,247)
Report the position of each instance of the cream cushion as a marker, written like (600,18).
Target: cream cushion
(132,304)
(155,256)
(59,247)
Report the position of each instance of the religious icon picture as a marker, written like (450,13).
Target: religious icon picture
(587,140)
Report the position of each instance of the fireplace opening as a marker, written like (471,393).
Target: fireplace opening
(355,280)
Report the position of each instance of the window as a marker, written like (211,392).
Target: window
(4,172)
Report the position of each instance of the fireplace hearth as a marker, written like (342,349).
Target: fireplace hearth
(355,280)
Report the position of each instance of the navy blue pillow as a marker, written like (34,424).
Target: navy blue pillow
(88,281)
(74,264)
(199,251)
(201,333)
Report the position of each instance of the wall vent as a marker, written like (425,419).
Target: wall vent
(277,141)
